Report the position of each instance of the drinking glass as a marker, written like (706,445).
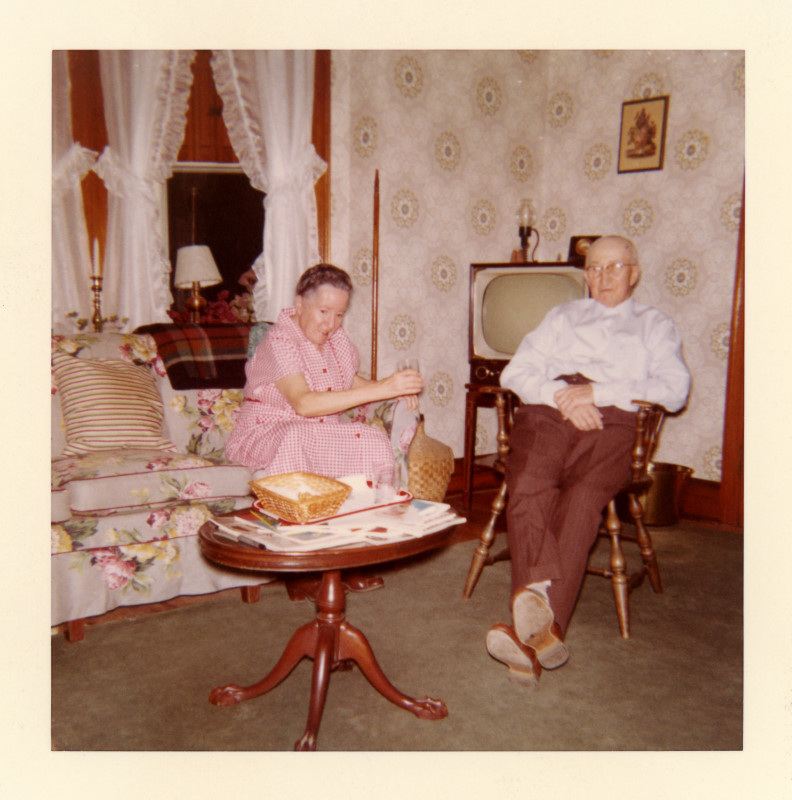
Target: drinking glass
(382,482)
(408,363)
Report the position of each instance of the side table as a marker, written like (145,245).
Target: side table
(328,639)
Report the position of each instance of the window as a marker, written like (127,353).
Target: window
(228,218)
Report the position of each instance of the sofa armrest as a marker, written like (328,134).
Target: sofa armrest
(397,421)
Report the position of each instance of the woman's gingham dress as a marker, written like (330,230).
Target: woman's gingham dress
(269,434)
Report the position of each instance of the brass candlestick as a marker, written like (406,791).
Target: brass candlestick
(97,319)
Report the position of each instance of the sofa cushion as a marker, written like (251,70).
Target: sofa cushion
(117,481)
(108,404)
(198,421)
(59,503)
(146,556)
(129,347)
(257,333)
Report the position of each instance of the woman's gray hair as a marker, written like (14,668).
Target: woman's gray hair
(323,275)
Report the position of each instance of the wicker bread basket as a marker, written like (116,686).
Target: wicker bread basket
(300,496)
(429,466)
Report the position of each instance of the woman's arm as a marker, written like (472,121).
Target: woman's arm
(308,403)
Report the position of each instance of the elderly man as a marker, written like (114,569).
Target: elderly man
(577,374)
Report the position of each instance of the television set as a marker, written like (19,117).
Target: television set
(509,300)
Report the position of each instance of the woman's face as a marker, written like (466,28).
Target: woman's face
(320,312)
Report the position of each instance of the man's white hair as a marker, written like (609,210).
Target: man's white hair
(622,240)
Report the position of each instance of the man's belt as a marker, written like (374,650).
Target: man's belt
(575,380)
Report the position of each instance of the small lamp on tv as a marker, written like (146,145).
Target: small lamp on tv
(525,218)
(195,267)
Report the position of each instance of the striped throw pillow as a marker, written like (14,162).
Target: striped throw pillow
(108,404)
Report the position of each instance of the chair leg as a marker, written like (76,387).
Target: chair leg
(645,542)
(485,542)
(618,570)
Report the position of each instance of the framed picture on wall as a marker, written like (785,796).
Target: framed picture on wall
(643,134)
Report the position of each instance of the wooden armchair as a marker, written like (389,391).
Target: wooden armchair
(648,423)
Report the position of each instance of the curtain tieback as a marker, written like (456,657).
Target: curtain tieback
(120,180)
(303,173)
(71,168)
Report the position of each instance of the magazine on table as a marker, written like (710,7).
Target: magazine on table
(258,535)
(358,522)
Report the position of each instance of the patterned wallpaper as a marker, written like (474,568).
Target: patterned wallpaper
(461,137)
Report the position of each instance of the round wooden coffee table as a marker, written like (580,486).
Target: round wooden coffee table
(328,639)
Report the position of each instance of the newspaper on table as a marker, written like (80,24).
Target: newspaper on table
(366,525)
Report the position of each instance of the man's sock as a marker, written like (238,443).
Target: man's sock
(541,588)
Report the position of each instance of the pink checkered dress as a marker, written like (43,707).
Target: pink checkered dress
(270,436)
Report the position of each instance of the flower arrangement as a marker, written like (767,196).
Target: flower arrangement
(238,309)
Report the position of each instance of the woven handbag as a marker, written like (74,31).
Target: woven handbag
(429,466)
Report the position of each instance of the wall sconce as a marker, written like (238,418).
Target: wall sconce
(195,267)
(525,221)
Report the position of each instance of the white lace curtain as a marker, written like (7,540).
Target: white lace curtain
(267,108)
(71,260)
(146,93)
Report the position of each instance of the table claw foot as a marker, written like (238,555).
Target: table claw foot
(306,742)
(427,708)
(227,695)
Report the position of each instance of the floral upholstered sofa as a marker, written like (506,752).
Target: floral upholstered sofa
(138,466)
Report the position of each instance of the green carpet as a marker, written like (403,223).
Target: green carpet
(677,684)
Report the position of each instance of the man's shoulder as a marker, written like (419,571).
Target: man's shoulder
(651,313)
(572,307)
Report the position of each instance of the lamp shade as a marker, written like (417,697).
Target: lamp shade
(195,264)
(525,214)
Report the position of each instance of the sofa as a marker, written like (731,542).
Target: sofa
(139,423)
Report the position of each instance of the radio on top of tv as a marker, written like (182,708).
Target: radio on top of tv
(507,301)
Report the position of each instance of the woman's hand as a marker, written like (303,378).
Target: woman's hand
(405,382)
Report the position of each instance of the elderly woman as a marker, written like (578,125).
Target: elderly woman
(301,378)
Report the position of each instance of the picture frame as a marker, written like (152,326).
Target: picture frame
(643,133)
(578,247)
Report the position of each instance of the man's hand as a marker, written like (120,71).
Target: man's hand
(570,397)
(576,403)
(586,418)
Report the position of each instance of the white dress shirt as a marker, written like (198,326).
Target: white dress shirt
(630,352)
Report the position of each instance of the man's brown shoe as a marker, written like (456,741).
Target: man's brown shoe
(503,645)
(535,627)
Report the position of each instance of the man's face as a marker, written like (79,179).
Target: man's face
(321,312)
(611,285)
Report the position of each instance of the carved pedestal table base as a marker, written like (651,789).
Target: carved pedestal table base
(331,641)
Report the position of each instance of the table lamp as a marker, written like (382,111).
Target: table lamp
(525,216)
(195,267)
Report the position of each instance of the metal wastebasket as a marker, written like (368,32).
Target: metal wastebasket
(661,502)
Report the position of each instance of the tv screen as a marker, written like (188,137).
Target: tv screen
(513,305)
(508,301)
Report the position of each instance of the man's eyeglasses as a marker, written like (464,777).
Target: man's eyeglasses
(614,269)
